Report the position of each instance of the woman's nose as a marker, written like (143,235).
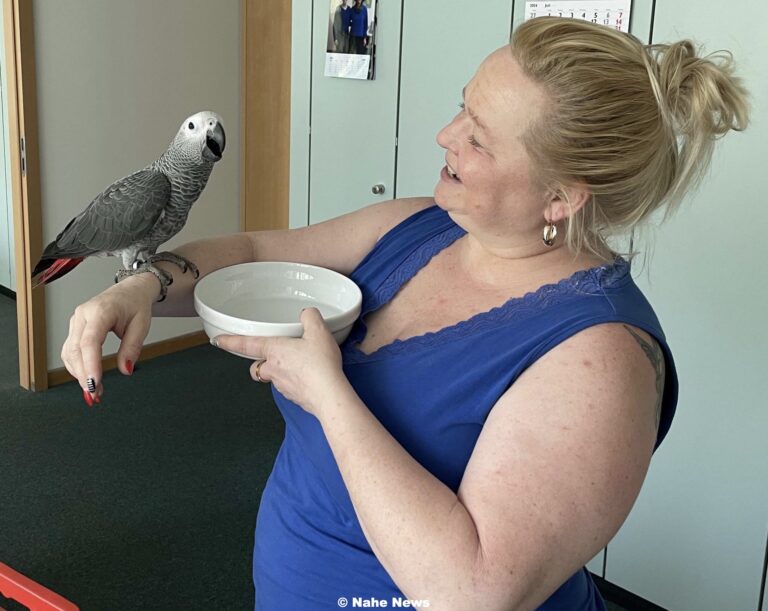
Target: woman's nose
(447,136)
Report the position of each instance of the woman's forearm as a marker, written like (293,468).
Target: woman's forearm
(417,527)
(208,254)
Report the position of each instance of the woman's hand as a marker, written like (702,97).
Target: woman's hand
(125,309)
(306,370)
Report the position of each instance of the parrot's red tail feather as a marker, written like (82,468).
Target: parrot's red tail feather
(55,268)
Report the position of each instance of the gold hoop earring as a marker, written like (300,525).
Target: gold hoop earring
(550,233)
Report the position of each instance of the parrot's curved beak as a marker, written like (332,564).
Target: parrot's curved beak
(215,141)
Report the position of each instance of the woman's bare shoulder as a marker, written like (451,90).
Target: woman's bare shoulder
(396,211)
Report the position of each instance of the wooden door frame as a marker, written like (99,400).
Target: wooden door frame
(265,162)
(25,189)
(265,114)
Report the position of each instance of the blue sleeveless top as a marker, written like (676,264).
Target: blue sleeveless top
(309,548)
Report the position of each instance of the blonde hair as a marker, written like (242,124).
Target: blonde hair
(635,123)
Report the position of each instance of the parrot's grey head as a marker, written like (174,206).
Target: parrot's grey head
(201,137)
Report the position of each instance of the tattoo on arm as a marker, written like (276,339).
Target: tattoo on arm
(656,356)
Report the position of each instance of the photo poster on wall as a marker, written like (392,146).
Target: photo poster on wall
(613,13)
(351,48)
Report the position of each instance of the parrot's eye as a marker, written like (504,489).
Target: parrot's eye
(191,125)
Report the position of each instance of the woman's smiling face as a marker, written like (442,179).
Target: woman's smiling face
(487,185)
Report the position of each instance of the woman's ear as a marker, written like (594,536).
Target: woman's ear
(566,200)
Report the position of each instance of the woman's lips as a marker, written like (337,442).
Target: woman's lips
(446,176)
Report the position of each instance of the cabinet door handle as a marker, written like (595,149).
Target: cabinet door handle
(378,189)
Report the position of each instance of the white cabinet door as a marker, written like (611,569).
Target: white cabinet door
(696,537)
(444,42)
(353,122)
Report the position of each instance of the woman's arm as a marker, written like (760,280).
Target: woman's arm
(556,469)
(128,307)
(208,255)
(338,244)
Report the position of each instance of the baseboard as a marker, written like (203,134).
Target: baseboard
(4,290)
(151,351)
(624,598)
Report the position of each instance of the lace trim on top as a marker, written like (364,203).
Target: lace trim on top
(590,281)
(412,264)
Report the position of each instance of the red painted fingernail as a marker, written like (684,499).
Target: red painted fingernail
(97,398)
(129,367)
(88,398)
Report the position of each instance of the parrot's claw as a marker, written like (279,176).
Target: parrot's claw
(164,277)
(183,263)
(123,273)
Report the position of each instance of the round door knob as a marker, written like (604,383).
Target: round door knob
(378,189)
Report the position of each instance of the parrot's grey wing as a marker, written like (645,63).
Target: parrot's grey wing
(121,215)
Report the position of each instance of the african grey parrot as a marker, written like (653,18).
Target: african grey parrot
(138,213)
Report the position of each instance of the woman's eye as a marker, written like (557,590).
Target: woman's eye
(471,139)
(474,142)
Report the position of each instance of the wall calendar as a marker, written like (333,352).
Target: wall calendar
(613,13)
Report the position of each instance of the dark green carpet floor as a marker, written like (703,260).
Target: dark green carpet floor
(147,501)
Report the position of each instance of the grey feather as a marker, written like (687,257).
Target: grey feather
(116,218)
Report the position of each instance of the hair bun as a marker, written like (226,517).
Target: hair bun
(697,92)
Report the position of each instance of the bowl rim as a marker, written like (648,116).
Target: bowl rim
(344,317)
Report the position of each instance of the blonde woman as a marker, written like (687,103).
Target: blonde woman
(487,426)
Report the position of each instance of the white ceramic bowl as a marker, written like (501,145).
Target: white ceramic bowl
(265,298)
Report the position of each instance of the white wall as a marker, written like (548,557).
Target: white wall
(7,258)
(115,81)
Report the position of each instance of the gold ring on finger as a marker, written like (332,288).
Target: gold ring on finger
(256,372)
